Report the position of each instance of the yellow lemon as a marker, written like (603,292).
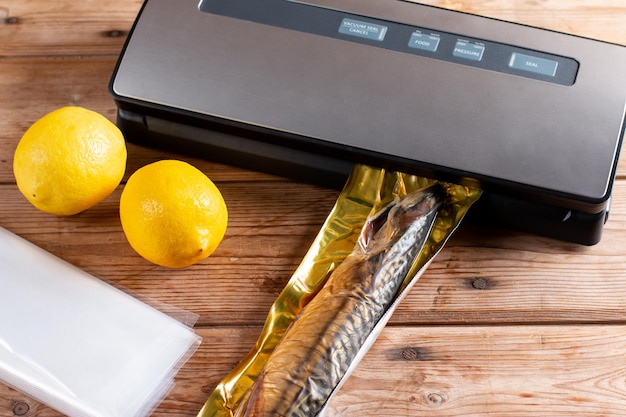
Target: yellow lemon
(69,160)
(172,214)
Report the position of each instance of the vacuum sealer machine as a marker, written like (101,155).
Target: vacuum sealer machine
(306,89)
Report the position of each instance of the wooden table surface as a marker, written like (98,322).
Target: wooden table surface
(502,323)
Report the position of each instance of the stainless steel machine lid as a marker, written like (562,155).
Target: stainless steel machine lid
(410,83)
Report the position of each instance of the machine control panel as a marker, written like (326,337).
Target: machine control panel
(456,48)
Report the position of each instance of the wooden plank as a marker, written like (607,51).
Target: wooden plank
(517,278)
(65,27)
(479,371)
(451,371)
(482,276)
(589,18)
(266,240)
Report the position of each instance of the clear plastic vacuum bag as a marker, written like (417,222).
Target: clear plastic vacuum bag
(78,344)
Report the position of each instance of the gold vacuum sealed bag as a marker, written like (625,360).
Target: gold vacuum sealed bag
(378,239)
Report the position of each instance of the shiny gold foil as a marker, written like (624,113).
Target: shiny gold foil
(367,190)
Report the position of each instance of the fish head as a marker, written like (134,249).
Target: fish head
(389,224)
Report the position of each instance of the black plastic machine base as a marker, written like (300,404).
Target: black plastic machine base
(494,209)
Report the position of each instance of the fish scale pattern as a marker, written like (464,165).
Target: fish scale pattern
(324,340)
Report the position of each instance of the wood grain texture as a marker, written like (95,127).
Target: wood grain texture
(500,371)
(588,18)
(501,324)
(447,371)
(482,276)
(59,28)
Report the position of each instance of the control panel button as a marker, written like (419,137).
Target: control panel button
(534,64)
(424,42)
(467,50)
(362,29)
